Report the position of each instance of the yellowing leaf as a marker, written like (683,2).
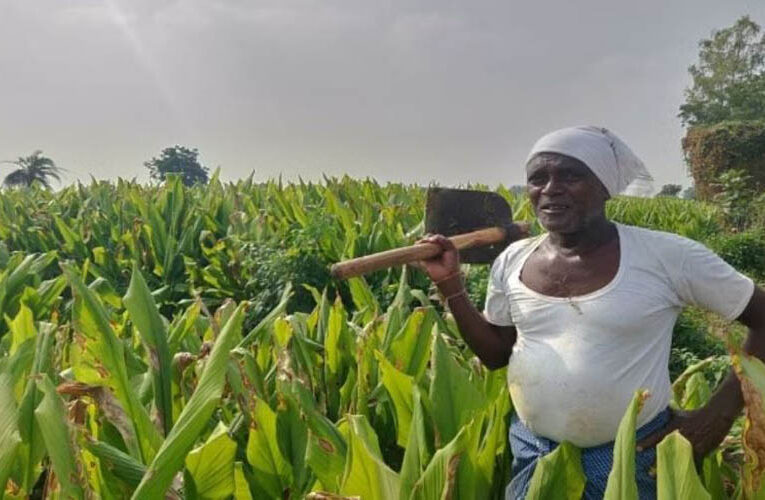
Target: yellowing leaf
(145,316)
(400,387)
(751,373)
(675,471)
(366,474)
(439,478)
(282,332)
(241,488)
(98,358)
(333,342)
(363,298)
(212,465)
(51,417)
(22,328)
(270,470)
(454,395)
(416,454)
(411,346)
(621,481)
(558,475)
(9,432)
(697,392)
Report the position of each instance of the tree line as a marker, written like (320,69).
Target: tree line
(175,160)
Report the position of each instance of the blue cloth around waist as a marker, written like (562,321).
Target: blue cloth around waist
(597,461)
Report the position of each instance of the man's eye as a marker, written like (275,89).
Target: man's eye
(537,180)
(572,176)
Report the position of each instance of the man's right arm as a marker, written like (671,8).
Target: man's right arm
(491,343)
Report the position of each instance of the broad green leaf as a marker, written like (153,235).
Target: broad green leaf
(292,435)
(495,439)
(621,481)
(335,352)
(366,474)
(366,372)
(410,349)
(417,453)
(333,342)
(241,488)
(32,449)
(122,465)
(713,476)
(71,239)
(404,293)
(212,465)
(182,326)
(469,477)
(454,394)
(326,450)
(9,432)
(145,316)
(22,328)
(271,471)
(12,282)
(51,417)
(558,475)
(495,385)
(98,358)
(304,351)
(680,383)
(195,415)
(697,392)
(19,365)
(439,478)
(363,298)
(48,293)
(676,477)
(282,332)
(399,387)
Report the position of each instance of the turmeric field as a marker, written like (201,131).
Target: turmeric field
(174,342)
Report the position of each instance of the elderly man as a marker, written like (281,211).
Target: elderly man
(583,314)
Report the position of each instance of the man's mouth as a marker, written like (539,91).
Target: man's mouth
(554,208)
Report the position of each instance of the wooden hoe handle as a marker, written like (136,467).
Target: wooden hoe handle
(405,255)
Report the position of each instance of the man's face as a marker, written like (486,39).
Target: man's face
(565,194)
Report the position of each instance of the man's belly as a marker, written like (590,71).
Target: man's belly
(567,393)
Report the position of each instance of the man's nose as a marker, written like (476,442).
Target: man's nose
(553,185)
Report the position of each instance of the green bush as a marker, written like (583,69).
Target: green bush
(275,266)
(692,342)
(745,251)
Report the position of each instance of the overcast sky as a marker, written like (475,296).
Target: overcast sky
(413,91)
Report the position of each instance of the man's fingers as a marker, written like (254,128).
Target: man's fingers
(417,264)
(438,239)
(444,242)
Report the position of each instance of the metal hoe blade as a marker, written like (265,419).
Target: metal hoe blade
(457,211)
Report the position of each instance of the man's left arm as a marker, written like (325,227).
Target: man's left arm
(706,427)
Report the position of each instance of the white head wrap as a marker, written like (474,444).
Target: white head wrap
(609,158)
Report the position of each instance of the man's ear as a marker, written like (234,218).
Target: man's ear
(603,190)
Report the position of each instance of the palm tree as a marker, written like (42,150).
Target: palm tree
(32,168)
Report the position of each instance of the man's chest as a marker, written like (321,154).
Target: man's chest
(569,277)
(635,301)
